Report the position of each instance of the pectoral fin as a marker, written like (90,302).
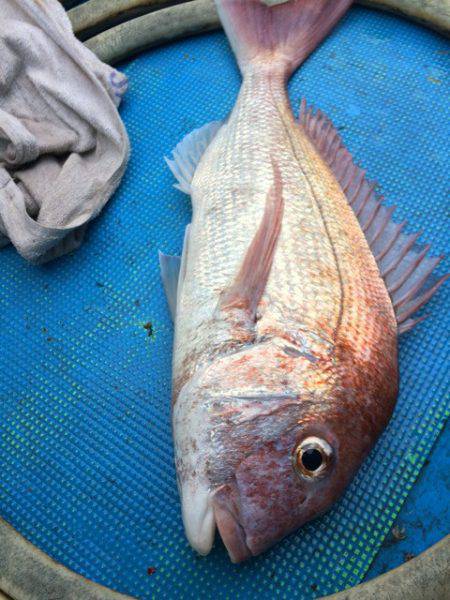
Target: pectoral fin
(170,271)
(250,283)
(173,270)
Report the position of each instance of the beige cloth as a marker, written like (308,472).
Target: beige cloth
(63,146)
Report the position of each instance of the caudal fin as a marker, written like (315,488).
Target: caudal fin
(281,32)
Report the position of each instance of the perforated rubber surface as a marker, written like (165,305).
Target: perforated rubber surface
(86,469)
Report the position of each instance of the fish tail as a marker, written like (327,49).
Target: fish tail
(278,33)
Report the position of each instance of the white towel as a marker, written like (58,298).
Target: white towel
(63,146)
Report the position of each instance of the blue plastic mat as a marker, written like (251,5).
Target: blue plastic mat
(425,517)
(86,464)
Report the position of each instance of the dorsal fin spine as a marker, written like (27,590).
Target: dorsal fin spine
(403,264)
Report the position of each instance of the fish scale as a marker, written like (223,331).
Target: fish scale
(226,216)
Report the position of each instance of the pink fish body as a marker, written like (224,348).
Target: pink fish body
(292,288)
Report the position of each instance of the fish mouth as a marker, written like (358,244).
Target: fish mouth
(198,516)
(203,511)
(231,531)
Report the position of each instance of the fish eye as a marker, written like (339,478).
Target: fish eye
(312,457)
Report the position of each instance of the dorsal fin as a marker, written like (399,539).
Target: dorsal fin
(188,152)
(404,265)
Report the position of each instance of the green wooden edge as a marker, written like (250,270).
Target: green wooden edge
(26,573)
(426,577)
(94,16)
(153,29)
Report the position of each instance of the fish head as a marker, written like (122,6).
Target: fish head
(281,442)
(280,484)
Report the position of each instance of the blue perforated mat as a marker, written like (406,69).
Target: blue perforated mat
(86,464)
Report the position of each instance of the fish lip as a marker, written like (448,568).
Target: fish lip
(198,516)
(230,529)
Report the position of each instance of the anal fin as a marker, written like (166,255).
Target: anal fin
(188,152)
(405,266)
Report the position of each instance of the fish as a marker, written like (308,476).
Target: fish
(292,288)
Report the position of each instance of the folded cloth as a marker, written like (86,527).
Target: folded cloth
(63,146)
